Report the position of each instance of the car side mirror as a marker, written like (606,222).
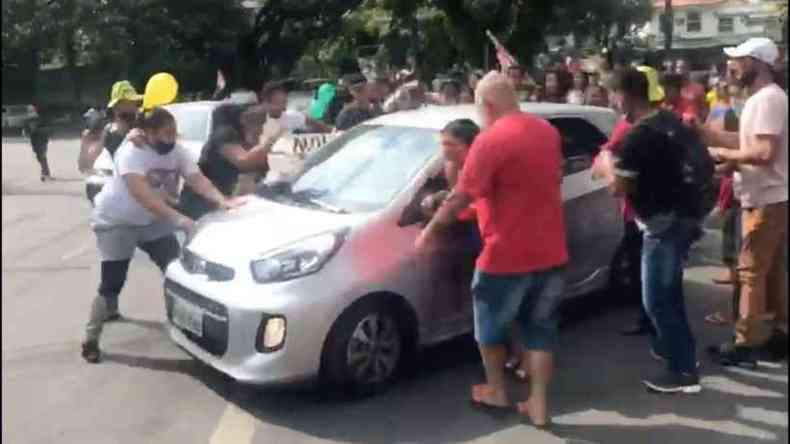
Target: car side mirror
(413,213)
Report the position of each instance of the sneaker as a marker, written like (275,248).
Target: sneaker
(671,382)
(91,352)
(776,348)
(729,354)
(664,360)
(112,317)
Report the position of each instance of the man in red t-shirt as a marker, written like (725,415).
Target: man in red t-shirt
(692,92)
(513,175)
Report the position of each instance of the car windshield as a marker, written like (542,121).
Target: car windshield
(366,168)
(192,123)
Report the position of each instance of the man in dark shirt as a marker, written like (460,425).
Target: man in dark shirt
(649,172)
(360,109)
(39,140)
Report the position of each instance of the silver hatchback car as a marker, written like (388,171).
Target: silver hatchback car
(319,276)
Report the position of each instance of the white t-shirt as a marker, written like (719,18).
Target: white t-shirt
(290,120)
(765,113)
(116,206)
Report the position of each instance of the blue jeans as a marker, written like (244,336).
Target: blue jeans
(663,256)
(528,299)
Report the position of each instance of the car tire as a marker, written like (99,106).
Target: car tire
(366,348)
(619,284)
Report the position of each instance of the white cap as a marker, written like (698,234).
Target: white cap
(761,48)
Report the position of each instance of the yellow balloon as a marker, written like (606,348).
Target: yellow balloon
(161,89)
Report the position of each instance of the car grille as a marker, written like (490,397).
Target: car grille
(215,320)
(194,264)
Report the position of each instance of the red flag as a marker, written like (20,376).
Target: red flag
(504,56)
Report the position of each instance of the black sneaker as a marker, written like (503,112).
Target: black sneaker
(775,349)
(664,360)
(671,382)
(729,354)
(113,317)
(91,352)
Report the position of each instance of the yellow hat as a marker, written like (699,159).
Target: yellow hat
(655,91)
(123,90)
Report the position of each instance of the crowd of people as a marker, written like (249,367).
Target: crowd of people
(673,138)
(660,161)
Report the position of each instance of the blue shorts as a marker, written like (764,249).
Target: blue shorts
(529,299)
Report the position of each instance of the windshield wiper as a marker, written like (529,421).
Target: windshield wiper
(310,197)
(326,206)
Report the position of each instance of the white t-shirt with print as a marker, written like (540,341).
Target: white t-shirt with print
(116,206)
(765,113)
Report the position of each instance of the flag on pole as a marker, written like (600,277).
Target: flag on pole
(504,56)
(220,80)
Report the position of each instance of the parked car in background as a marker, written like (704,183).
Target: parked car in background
(16,116)
(318,276)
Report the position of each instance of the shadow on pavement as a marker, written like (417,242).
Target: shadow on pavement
(597,395)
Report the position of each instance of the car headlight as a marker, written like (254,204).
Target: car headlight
(298,259)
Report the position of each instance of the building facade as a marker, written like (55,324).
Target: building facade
(703,27)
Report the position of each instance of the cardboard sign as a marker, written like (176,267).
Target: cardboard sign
(301,144)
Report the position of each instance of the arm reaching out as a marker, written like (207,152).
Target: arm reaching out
(153,202)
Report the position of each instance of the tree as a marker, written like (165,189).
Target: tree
(282,31)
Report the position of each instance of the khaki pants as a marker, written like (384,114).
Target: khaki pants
(762,273)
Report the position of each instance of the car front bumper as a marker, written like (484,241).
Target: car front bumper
(232,322)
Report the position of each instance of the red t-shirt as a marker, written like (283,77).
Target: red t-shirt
(691,104)
(514,173)
(614,145)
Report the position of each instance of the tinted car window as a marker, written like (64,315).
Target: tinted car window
(581,141)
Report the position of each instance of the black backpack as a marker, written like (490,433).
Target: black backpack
(700,188)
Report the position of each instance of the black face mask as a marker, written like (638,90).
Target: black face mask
(127,117)
(163,147)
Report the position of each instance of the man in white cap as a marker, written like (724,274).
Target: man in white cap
(758,156)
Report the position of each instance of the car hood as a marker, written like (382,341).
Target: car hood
(239,235)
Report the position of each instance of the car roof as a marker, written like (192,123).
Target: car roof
(202,105)
(436,117)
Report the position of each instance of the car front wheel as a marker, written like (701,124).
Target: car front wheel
(365,348)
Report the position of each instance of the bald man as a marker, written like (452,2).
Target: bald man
(512,174)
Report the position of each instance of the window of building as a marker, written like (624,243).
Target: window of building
(693,22)
(726,25)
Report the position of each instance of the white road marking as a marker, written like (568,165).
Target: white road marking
(235,427)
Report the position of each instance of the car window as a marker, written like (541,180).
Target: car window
(192,123)
(581,142)
(365,168)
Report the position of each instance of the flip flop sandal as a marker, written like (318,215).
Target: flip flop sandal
(494,411)
(521,375)
(527,421)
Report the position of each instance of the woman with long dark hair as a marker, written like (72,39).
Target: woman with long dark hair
(234,148)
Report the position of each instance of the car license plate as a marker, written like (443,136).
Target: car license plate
(188,316)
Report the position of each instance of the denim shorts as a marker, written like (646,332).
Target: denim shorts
(529,300)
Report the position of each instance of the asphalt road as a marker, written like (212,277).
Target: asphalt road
(149,391)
